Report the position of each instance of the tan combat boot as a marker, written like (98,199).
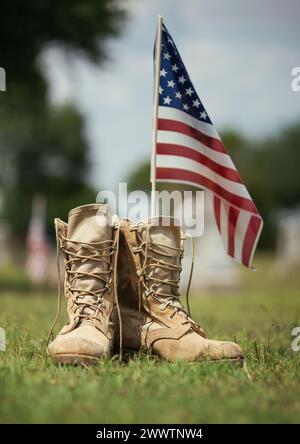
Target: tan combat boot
(89,245)
(148,275)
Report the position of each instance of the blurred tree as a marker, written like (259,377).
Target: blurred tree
(48,157)
(43,148)
(28,26)
(284,166)
(235,143)
(273,176)
(140,178)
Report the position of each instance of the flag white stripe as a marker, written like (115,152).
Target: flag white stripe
(255,243)
(165,112)
(224,208)
(175,138)
(190,182)
(240,232)
(183,163)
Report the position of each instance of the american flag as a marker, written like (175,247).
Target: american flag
(190,151)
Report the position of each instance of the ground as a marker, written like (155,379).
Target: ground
(260,316)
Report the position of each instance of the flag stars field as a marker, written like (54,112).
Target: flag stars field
(189,91)
(167,100)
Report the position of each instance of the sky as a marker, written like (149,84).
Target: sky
(239,56)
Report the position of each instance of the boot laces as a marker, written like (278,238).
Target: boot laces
(147,248)
(83,298)
(100,252)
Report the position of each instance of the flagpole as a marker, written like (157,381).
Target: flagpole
(155,114)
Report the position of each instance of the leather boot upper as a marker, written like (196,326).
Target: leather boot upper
(88,244)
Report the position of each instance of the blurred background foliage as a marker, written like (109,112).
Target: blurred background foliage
(43,148)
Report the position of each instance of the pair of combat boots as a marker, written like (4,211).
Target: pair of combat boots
(122,291)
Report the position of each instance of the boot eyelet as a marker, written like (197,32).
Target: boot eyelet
(162,307)
(139,273)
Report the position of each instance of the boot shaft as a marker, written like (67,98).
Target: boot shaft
(88,244)
(153,251)
(162,254)
(90,234)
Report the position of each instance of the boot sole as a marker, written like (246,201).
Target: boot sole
(234,361)
(86,360)
(129,353)
(72,359)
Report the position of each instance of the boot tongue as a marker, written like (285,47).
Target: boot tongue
(163,233)
(90,224)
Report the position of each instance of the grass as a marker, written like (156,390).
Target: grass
(260,316)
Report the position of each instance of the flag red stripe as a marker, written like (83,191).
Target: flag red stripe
(182,151)
(250,238)
(217,209)
(198,179)
(232,218)
(180,127)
